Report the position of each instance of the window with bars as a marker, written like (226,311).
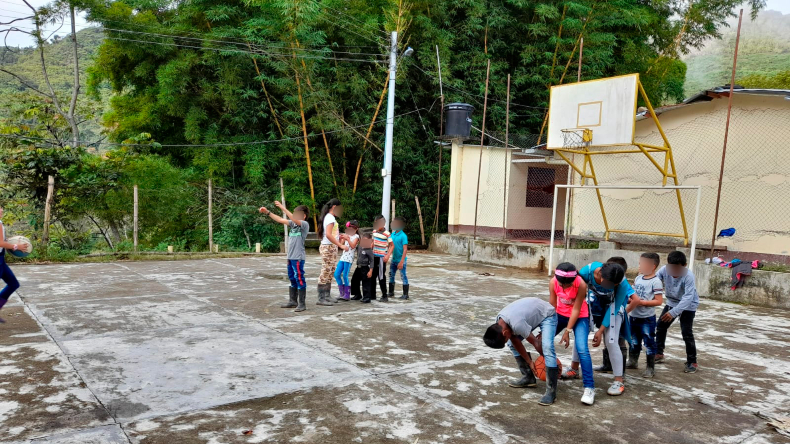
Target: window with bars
(540,187)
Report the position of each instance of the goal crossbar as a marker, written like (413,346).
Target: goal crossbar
(698,188)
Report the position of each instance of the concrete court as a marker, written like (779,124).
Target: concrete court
(199,352)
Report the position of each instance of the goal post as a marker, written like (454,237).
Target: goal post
(644,232)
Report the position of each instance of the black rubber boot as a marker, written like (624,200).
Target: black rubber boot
(323,295)
(551,386)
(384,294)
(650,370)
(527,379)
(328,295)
(391,292)
(606,367)
(405,292)
(302,294)
(633,359)
(291,298)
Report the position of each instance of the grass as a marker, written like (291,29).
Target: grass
(779,268)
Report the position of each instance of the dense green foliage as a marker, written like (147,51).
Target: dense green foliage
(187,75)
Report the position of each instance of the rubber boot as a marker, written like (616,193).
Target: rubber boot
(527,379)
(343,293)
(391,292)
(2,302)
(323,296)
(606,367)
(650,370)
(347,295)
(328,294)
(291,298)
(551,386)
(302,293)
(384,294)
(633,359)
(405,292)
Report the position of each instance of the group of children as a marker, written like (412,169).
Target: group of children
(372,250)
(623,317)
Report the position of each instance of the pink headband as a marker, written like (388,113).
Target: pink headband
(348,225)
(565,274)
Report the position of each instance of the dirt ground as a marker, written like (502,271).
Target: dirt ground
(200,352)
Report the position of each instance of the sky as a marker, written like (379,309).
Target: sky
(10,9)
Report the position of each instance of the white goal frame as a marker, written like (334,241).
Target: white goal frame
(624,187)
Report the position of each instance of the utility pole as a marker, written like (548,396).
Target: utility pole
(387,171)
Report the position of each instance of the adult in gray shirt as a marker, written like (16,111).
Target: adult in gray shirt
(680,292)
(514,324)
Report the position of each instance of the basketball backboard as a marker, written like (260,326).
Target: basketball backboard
(605,106)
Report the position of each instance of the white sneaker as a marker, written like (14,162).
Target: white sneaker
(589,396)
(616,389)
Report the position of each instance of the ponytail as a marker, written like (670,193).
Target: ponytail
(324,211)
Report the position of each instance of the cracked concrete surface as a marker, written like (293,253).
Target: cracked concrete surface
(200,352)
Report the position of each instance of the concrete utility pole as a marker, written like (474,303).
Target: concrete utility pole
(387,171)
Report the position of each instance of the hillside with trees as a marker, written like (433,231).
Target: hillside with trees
(763,58)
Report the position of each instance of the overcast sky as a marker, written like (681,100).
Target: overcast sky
(10,9)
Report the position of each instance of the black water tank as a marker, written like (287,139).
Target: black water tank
(458,120)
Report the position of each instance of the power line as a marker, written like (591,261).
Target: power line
(268,51)
(208,145)
(477,95)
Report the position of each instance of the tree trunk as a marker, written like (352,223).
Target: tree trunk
(71,118)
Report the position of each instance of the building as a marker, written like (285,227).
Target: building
(517,184)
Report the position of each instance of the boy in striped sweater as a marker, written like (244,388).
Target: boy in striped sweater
(382,250)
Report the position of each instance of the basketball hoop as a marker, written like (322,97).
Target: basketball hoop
(576,137)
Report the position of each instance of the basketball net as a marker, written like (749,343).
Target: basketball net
(576,137)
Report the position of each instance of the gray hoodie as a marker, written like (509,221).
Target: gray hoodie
(680,293)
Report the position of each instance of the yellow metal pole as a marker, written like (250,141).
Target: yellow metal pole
(671,162)
(600,200)
(650,233)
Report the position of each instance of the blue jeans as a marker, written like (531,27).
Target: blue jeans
(581,332)
(8,277)
(643,330)
(341,273)
(394,269)
(548,327)
(296,273)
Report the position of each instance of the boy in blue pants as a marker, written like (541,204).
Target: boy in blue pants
(298,229)
(400,247)
(642,310)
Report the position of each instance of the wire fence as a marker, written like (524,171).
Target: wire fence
(755,194)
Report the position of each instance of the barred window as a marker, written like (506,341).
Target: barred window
(540,187)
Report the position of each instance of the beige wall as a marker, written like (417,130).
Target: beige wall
(756,187)
(495,164)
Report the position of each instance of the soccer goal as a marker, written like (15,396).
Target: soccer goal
(633,213)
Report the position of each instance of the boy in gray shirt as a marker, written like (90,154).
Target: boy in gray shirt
(642,309)
(514,324)
(682,301)
(297,233)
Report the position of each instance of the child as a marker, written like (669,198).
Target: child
(11,284)
(350,239)
(514,324)
(642,308)
(568,293)
(329,231)
(382,249)
(364,267)
(296,256)
(400,247)
(682,301)
(610,291)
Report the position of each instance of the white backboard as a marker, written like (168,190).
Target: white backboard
(606,106)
